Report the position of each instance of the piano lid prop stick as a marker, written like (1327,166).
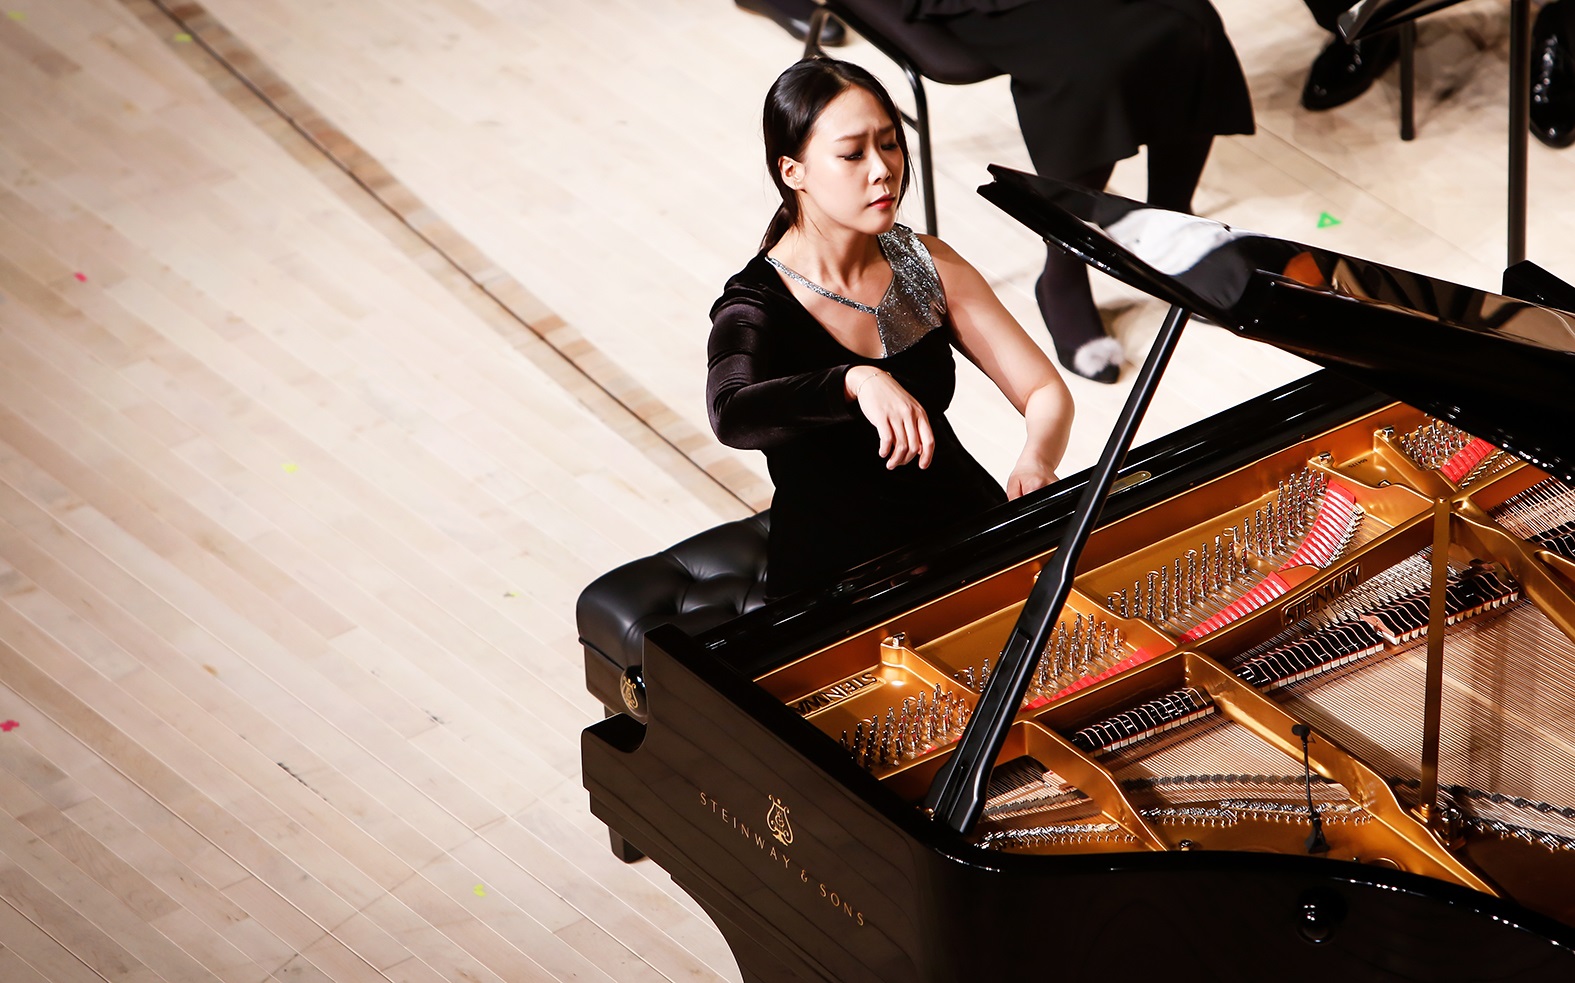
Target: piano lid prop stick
(958,794)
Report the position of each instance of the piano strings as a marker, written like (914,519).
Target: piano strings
(1309,521)
(920,725)
(1386,615)
(1353,670)
(1500,782)
(1453,453)
(1544,514)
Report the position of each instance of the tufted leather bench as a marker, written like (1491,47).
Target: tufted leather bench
(697,584)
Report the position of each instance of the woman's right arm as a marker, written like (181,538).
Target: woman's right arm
(753,408)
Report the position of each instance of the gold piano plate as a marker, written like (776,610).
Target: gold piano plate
(1161,719)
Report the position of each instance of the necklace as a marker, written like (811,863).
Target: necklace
(817,288)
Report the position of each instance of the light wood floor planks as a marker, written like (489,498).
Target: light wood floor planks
(342,343)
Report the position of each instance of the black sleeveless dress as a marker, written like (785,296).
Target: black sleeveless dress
(776,384)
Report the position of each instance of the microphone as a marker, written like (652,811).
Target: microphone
(1315,841)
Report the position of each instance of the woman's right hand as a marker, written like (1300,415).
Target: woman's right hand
(902,424)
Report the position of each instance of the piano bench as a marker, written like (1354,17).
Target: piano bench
(707,579)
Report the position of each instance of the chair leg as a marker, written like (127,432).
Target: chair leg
(817,21)
(921,123)
(1408,80)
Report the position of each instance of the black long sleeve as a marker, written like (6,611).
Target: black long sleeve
(755,400)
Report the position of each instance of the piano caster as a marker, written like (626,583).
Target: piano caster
(1318,913)
(623,849)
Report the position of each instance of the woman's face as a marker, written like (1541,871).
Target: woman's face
(851,167)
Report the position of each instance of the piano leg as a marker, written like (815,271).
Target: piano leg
(623,849)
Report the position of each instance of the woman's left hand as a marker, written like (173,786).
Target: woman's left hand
(1028,476)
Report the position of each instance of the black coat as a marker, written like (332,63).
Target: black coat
(1093,80)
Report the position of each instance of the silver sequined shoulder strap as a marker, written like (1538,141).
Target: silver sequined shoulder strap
(817,288)
(912,264)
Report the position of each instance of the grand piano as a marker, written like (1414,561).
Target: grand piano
(1307,711)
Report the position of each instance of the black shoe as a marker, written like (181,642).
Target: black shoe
(1342,71)
(794,15)
(1553,75)
(1099,360)
(1093,355)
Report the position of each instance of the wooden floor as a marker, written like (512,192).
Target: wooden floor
(343,342)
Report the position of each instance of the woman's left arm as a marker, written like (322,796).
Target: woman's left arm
(993,340)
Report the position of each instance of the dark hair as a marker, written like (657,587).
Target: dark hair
(794,102)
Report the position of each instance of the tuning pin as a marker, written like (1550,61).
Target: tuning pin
(1148,597)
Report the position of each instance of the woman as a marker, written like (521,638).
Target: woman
(831,350)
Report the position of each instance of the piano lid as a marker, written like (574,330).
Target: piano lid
(1498,367)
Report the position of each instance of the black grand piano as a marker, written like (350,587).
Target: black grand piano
(1303,710)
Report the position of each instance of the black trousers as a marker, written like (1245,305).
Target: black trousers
(1326,12)
(1094,81)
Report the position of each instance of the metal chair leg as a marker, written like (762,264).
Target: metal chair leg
(817,22)
(1519,123)
(921,123)
(1408,80)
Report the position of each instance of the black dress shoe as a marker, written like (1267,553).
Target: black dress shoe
(794,15)
(1553,75)
(1090,352)
(1342,71)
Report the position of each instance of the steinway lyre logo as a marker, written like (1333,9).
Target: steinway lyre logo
(777,821)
